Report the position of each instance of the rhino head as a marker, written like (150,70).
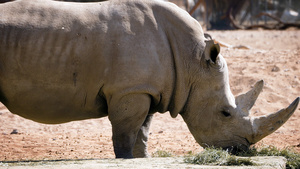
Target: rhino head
(216,118)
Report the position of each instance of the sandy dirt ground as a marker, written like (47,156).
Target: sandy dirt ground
(273,56)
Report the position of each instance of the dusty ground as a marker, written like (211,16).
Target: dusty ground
(274,56)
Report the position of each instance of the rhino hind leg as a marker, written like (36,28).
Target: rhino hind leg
(127,115)
(140,148)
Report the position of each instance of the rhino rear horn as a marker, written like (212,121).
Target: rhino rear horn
(265,125)
(247,100)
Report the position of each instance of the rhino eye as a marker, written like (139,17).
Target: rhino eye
(226,114)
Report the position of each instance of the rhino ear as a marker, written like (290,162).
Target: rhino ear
(211,51)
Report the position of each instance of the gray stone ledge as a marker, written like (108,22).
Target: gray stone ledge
(265,162)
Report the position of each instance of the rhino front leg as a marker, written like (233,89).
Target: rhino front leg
(140,147)
(127,114)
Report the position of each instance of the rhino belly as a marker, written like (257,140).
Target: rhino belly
(55,103)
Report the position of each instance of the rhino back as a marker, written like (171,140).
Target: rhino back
(61,61)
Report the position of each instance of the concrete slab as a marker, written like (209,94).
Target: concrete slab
(170,162)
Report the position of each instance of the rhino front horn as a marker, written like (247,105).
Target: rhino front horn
(265,125)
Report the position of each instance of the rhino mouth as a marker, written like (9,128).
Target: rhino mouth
(240,144)
(236,149)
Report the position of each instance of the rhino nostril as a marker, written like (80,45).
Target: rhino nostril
(249,143)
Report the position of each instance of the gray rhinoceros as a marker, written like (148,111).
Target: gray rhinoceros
(62,61)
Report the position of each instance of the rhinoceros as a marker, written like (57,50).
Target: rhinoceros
(125,59)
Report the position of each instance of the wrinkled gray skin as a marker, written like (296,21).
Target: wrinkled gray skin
(62,61)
